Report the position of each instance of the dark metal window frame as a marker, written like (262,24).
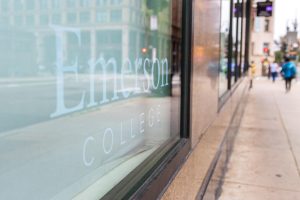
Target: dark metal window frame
(236,54)
(242,38)
(247,34)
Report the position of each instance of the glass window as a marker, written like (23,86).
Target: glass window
(112,37)
(116,15)
(71,3)
(56,19)
(266,45)
(234,62)
(30,4)
(18,5)
(83,105)
(116,2)
(30,20)
(224,42)
(4,20)
(84,17)
(258,24)
(102,2)
(267,25)
(18,20)
(56,4)
(4,5)
(84,53)
(43,4)
(243,42)
(102,16)
(72,18)
(133,17)
(44,20)
(85,3)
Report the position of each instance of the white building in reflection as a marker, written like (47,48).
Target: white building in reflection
(118,28)
(262,34)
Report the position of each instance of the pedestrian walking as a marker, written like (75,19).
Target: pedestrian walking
(288,72)
(274,69)
(252,72)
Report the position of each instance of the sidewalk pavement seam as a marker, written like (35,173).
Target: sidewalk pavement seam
(286,134)
(255,185)
(227,145)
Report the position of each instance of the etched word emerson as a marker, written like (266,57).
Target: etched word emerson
(155,73)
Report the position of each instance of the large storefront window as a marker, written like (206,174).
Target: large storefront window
(84,103)
(243,40)
(234,62)
(224,48)
(239,38)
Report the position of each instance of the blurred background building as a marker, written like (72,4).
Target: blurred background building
(289,43)
(262,34)
(106,27)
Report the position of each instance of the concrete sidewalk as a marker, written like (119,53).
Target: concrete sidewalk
(265,159)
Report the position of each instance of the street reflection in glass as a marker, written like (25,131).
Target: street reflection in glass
(86,87)
(224,42)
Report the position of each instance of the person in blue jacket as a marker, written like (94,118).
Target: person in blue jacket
(288,71)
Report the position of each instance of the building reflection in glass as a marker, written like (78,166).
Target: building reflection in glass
(85,85)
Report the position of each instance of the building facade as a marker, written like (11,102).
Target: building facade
(106,98)
(262,40)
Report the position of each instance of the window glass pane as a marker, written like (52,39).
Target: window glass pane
(239,42)
(84,17)
(44,20)
(102,16)
(56,4)
(133,17)
(4,5)
(267,25)
(116,2)
(85,3)
(30,4)
(234,47)
(56,19)
(86,99)
(116,15)
(4,20)
(102,2)
(243,42)
(43,4)
(71,3)
(71,18)
(224,37)
(30,20)
(18,20)
(18,5)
